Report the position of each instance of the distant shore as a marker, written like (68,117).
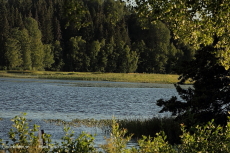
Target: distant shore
(156,79)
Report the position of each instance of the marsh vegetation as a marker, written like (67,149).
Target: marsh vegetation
(206,138)
(95,76)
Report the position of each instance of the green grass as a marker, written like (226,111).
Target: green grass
(206,138)
(137,127)
(94,76)
(149,127)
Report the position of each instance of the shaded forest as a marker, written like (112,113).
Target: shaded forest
(84,35)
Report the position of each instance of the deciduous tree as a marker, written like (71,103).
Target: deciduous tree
(36,45)
(194,22)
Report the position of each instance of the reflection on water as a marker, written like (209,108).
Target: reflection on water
(68,99)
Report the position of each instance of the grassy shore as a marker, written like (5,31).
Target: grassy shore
(138,127)
(94,76)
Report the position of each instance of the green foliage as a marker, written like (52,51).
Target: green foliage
(75,11)
(117,141)
(36,45)
(198,23)
(77,58)
(209,97)
(156,51)
(58,56)
(13,53)
(207,138)
(24,139)
(25,49)
(114,11)
(127,59)
(157,144)
(150,127)
(83,144)
(111,23)
(48,57)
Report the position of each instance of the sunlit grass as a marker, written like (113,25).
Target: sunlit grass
(136,126)
(95,76)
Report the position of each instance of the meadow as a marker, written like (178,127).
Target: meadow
(95,76)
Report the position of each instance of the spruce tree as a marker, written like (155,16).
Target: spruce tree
(58,56)
(4,34)
(48,56)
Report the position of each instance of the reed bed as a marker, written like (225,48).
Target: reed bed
(81,122)
(137,127)
(149,127)
(95,76)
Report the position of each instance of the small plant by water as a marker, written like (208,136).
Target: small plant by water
(207,138)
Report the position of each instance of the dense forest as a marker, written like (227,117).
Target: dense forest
(84,35)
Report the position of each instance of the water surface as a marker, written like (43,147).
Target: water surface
(70,99)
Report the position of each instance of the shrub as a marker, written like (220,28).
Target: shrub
(207,138)
(83,144)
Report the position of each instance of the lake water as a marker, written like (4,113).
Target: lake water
(69,99)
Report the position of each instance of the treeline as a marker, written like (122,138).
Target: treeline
(84,35)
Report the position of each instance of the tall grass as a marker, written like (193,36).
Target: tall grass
(137,127)
(149,127)
(95,76)
(207,138)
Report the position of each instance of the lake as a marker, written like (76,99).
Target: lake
(70,99)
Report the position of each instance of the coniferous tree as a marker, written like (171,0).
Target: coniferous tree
(96,20)
(4,33)
(48,56)
(58,56)
(18,20)
(57,30)
(208,98)
(48,27)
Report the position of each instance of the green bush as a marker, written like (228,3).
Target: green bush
(83,144)
(207,138)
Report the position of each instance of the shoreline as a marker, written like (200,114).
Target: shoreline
(156,80)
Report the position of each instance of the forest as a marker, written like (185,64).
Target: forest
(85,36)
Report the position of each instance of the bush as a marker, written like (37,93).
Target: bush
(207,138)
